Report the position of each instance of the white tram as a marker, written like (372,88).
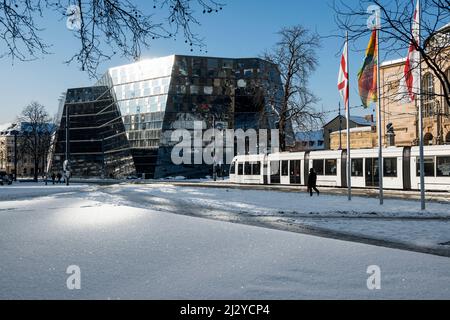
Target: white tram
(401,168)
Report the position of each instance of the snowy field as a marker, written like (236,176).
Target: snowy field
(399,221)
(128,243)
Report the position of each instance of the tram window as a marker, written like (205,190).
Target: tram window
(357,168)
(443,166)
(233,168)
(390,167)
(284,168)
(330,167)
(318,167)
(429,167)
(256,168)
(240,169)
(247,169)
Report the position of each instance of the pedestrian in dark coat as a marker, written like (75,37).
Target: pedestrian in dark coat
(53,178)
(59,176)
(312,182)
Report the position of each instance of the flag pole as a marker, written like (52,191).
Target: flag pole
(380,139)
(349,171)
(422,160)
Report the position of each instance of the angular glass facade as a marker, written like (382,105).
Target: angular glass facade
(98,145)
(156,96)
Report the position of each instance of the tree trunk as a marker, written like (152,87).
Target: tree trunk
(282,131)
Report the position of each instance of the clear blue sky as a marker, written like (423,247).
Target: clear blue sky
(243,29)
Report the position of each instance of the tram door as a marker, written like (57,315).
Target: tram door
(275,172)
(295,171)
(372,172)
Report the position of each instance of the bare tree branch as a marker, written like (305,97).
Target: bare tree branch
(104,28)
(295,57)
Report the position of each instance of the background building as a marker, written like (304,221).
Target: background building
(98,146)
(309,141)
(149,99)
(403,115)
(11,146)
(339,125)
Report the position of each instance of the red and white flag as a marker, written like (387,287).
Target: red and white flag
(343,86)
(412,70)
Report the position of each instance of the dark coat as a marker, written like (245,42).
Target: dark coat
(312,179)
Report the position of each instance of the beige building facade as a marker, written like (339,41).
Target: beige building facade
(25,164)
(402,114)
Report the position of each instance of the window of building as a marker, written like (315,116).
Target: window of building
(428,139)
(248,72)
(330,167)
(227,64)
(284,168)
(447,106)
(429,94)
(195,89)
(318,167)
(208,90)
(429,167)
(390,167)
(443,166)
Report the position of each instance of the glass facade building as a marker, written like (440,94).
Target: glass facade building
(149,99)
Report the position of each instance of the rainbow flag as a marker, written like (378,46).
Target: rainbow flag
(367,76)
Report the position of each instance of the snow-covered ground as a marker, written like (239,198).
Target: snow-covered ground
(399,221)
(29,190)
(128,244)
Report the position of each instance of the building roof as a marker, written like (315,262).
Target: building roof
(24,126)
(316,135)
(4,126)
(356,119)
(359,129)
(392,62)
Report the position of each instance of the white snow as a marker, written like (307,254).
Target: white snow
(129,245)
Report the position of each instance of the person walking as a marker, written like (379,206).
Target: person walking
(53,177)
(59,175)
(312,182)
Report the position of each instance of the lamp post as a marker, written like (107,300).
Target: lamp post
(66,164)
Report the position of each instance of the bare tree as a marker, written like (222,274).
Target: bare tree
(35,136)
(104,28)
(295,57)
(396,33)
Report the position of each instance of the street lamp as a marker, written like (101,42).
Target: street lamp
(66,163)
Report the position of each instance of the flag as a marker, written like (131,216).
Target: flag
(367,76)
(343,86)
(411,72)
